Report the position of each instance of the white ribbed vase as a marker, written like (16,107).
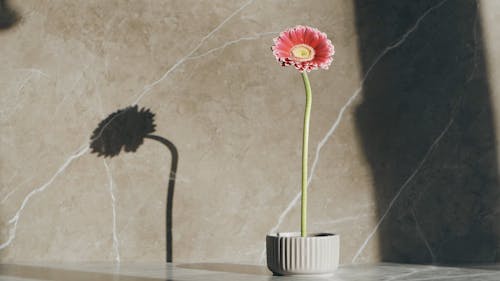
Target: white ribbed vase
(290,254)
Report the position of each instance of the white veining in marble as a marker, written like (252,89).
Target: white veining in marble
(17,95)
(229,43)
(422,235)
(344,219)
(13,222)
(62,103)
(409,179)
(16,188)
(111,186)
(149,87)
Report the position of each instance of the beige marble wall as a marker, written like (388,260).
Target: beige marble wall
(205,69)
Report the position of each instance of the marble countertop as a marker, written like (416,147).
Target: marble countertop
(233,272)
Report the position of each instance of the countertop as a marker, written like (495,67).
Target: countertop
(233,272)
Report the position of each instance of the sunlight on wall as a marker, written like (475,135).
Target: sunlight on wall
(490,21)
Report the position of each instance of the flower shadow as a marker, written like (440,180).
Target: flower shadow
(125,130)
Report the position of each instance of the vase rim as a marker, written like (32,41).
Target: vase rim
(298,235)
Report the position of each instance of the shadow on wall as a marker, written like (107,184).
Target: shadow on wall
(26,272)
(426,127)
(228,267)
(8,16)
(126,129)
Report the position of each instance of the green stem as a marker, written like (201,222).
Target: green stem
(305,145)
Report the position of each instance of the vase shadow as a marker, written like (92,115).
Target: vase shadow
(228,267)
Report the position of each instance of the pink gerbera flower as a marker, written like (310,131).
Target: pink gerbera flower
(304,47)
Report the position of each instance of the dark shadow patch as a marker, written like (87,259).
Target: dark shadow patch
(8,16)
(124,129)
(228,267)
(54,274)
(426,127)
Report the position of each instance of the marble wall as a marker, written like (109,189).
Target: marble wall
(402,142)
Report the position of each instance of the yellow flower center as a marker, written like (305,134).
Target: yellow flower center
(302,52)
